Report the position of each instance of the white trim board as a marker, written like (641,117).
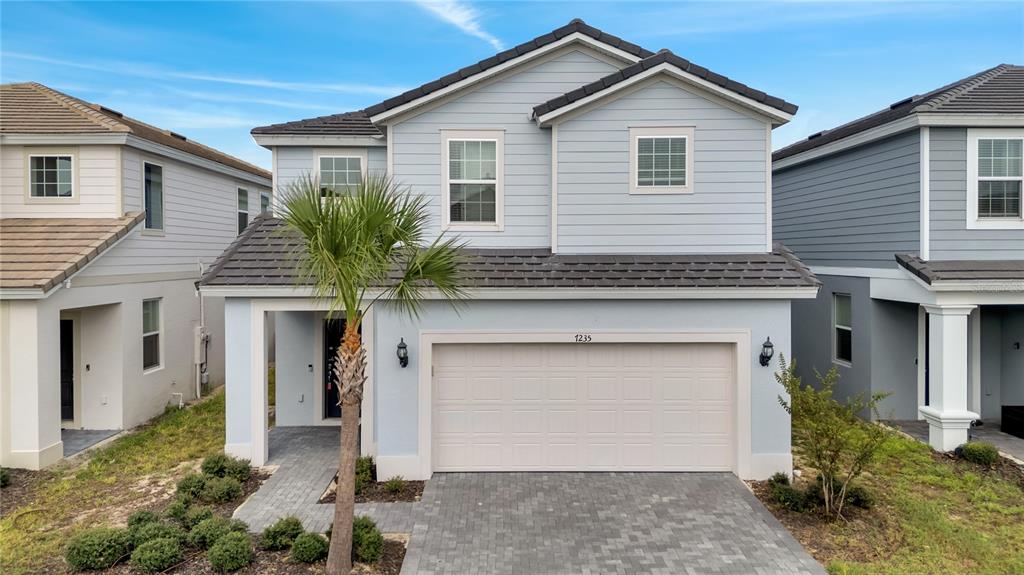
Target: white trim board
(973,221)
(740,340)
(924,204)
(269,141)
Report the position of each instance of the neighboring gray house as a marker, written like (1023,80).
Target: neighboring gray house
(106,224)
(911,217)
(623,274)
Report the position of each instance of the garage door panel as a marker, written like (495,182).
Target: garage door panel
(583,407)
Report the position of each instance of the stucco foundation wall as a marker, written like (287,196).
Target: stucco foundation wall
(894,357)
(296,353)
(396,397)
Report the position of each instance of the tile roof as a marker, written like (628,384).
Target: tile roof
(994,91)
(963,270)
(39,253)
(264,255)
(347,124)
(662,57)
(32,108)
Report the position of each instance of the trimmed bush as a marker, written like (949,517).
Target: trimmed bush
(140,518)
(179,508)
(97,548)
(979,452)
(221,490)
(778,478)
(191,485)
(223,465)
(309,548)
(367,541)
(281,534)
(394,485)
(231,552)
(366,473)
(789,497)
(5,477)
(155,530)
(209,531)
(157,555)
(196,515)
(858,496)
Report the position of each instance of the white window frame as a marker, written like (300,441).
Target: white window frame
(498,137)
(163,203)
(359,154)
(239,210)
(637,132)
(973,221)
(836,326)
(266,196)
(49,153)
(159,333)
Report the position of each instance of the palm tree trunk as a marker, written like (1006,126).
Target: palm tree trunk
(350,366)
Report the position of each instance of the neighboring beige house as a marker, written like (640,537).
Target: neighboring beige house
(106,223)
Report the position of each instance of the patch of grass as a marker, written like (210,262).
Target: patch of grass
(121,476)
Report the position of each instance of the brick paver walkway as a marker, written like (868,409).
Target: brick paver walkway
(546,523)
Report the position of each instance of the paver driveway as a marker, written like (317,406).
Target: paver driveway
(538,523)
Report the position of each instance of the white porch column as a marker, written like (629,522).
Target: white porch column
(947,415)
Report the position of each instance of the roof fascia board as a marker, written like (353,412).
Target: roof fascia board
(270,140)
(575,37)
(550,294)
(971,120)
(175,154)
(854,140)
(63,139)
(778,116)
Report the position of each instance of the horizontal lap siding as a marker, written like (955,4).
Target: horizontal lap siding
(724,214)
(855,208)
(503,104)
(295,162)
(97,173)
(950,238)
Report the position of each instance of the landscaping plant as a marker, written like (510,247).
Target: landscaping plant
(223,465)
(828,435)
(361,245)
(281,534)
(365,473)
(231,552)
(394,485)
(155,530)
(196,515)
(367,541)
(209,531)
(5,477)
(157,555)
(309,548)
(191,485)
(140,518)
(97,548)
(221,490)
(979,452)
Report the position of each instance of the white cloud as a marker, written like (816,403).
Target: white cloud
(462,16)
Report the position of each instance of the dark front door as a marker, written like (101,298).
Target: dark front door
(334,329)
(67,369)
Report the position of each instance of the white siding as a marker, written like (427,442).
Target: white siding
(96,188)
(505,103)
(724,214)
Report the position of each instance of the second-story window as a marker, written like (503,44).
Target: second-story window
(1000,175)
(153,196)
(661,160)
(243,209)
(264,202)
(473,174)
(339,174)
(51,176)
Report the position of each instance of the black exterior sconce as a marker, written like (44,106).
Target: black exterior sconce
(403,353)
(767,351)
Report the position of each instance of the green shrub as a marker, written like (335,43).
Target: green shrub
(155,530)
(309,548)
(157,555)
(858,496)
(223,465)
(196,515)
(979,452)
(239,469)
(221,490)
(394,485)
(231,552)
(191,485)
(179,508)
(789,497)
(281,534)
(5,477)
(140,518)
(366,472)
(778,478)
(209,531)
(367,542)
(97,548)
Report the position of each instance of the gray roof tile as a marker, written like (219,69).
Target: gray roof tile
(963,270)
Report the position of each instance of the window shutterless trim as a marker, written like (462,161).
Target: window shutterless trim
(836,326)
(265,196)
(361,154)
(163,204)
(974,222)
(637,132)
(497,136)
(159,330)
(30,153)
(239,211)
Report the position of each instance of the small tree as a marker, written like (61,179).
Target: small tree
(827,434)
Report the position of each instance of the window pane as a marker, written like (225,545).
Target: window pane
(999,199)
(488,150)
(63,190)
(473,203)
(1000,158)
(243,221)
(844,345)
(150,315)
(842,303)
(154,197)
(151,351)
(50,176)
(243,200)
(264,203)
(661,161)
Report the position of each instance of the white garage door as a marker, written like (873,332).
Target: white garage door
(536,407)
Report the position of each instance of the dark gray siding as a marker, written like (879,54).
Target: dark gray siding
(855,208)
(950,238)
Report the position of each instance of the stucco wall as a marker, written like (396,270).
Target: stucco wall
(295,346)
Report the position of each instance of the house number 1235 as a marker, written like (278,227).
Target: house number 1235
(583,338)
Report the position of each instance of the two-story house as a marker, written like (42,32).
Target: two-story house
(911,217)
(106,225)
(626,292)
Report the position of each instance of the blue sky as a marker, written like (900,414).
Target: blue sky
(212,71)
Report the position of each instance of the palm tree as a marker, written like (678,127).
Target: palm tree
(364,245)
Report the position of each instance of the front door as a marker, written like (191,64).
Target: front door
(67,370)
(334,330)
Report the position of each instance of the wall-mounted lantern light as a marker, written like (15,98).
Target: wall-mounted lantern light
(403,353)
(767,351)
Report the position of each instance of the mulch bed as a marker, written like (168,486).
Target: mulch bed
(1003,468)
(411,491)
(22,489)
